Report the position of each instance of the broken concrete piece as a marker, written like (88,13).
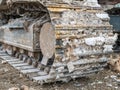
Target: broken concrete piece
(109,85)
(14,88)
(24,87)
(4,62)
(32,89)
(114,64)
(113,76)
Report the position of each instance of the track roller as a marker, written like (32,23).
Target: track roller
(29,61)
(25,57)
(17,54)
(35,63)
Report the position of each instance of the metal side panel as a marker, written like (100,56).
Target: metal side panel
(2,1)
(19,38)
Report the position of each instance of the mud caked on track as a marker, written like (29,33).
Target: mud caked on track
(51,41)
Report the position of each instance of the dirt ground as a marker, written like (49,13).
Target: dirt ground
(9,77)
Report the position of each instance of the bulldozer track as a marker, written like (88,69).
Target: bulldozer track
(50,41)
(23,68)
(39,76)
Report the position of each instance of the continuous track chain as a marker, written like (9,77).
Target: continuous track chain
(41,77)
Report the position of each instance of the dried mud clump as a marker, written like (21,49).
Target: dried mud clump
(114,65)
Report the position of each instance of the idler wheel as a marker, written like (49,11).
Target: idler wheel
(17,55)
(21,56)
(47,42)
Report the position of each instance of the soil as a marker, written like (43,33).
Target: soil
(9,77)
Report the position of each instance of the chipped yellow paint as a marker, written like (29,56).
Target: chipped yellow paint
(57,9)
(79,26)
(62,9)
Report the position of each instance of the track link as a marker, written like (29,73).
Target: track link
(41,77)
(23,68)
(80,30)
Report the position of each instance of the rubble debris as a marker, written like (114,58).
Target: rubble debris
(116,87)
(14,88)
(24,87)
(113,76)
(109,85)
(99,82)
(4,62)
(21,75)
(116,78)
(114,65)
(106,77)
